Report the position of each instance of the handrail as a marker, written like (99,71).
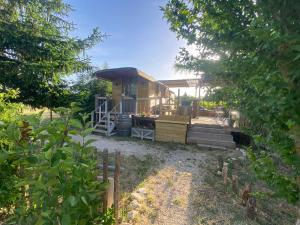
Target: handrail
(108,97)
(100,106)
(92,118)
(114,108)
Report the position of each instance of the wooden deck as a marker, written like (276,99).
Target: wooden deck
(203,120)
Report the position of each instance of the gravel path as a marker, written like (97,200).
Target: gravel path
(126,147)
(172,189)
(178,182)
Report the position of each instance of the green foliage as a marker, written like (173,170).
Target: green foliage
(85,89)
(249,50)
(9,111)
(36,50)
(211,105)
(186,100)
(53,179)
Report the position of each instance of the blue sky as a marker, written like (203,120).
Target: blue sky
(138,35)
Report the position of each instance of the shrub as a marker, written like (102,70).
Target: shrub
(53,177)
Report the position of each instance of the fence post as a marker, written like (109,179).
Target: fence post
(298,220)
(251,206)
(105,179)
(246,194)
(116,186)
(235,183)
(220,162)
(225,172)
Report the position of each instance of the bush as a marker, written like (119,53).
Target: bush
(85,89)
(52,177)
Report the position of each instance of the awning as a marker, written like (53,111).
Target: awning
(182,83)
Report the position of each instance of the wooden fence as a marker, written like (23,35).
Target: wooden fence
(111,195)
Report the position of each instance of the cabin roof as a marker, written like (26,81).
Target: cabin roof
(112,74)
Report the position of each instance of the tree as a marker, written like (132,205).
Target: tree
(251,50)
(84,92)
(87,86)
(36,49)
(46,176)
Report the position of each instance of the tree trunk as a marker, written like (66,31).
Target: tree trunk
(51,115)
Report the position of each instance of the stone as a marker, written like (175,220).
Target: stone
(134,204)
(243,151)
(219,173)
(137,196)
(132,214)
(142,191)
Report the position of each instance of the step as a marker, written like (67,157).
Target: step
(97,131)
(100,125)
(215,136)
(103,122)
(196,140)
(209,130)
(211,147)
(217,126)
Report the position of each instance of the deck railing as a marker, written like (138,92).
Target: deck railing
(131,105)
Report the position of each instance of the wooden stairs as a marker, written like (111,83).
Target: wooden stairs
(106,126)
(210,137)
(104,121)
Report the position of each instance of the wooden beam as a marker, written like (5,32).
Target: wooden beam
(117,186)
(105,179)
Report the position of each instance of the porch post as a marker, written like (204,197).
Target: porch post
(96,102)
(160,101)
(121,104)
(199,91)
(106,105)
(178,103)
(160,106)
(136,106)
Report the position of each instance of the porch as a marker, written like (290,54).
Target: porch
(106,114)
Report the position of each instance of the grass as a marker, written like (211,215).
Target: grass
(135,171)
(178,201)
(214,204)
(217,204)
(46,112)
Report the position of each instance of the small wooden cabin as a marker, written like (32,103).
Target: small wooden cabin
(135,93)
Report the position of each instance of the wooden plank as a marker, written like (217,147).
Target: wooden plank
(173,118)
(105,179)
(168,121)
(116,90)
(171,132)
(117,186)
(171,126)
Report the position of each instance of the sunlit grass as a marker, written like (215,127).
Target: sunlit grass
(27,110)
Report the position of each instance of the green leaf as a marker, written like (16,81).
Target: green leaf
(3,156)
(66,219)
(72,200)
(13,132)
(90,141)
(290,123)
(84,200)
(296,48)
(87,132)
(40,221)
(76,123)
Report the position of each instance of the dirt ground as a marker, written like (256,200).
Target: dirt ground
(173,184)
